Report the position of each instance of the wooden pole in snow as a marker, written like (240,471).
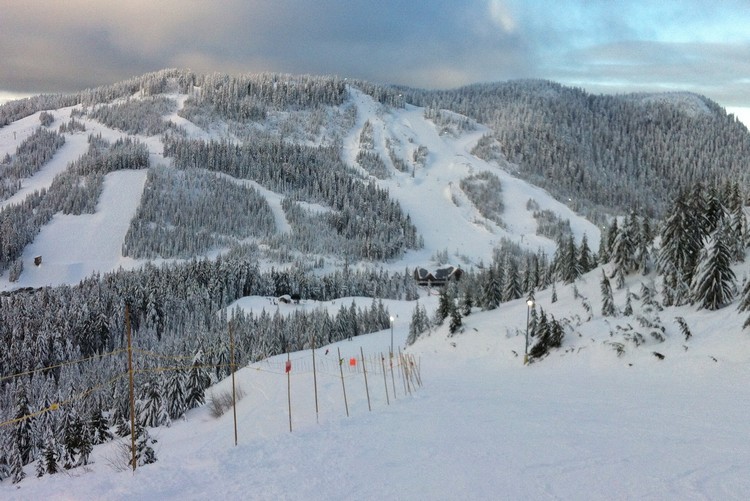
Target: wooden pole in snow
(401,370)
(393,378)
(364,371)
(234,391)
(289,387)
(343,386)
(385,381)
(315,378)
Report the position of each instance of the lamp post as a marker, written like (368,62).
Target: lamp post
(392,319)
(529,304)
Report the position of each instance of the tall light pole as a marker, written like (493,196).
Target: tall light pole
(529,304)
(392,319)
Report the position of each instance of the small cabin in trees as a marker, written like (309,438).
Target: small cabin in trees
(437,278)
(289,298)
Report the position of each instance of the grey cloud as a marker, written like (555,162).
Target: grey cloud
(74,45)
(66,46)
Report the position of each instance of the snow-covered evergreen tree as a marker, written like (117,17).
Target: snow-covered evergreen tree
(745,302)
(151,410)
(623,251)
(75,439)
(586,260)
(680,246)
(144,450)
(420,322)
(491,291)
(467,302)
(628,310)
(48,462)
(175,395)
(512,285)
(455,316)
(745,298)
(16,465)
(714,281)
(543,334)
(99,426)
(197,382)
(22,429)
(444,306)
(608,303)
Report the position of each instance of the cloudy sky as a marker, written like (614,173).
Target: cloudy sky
(600,45)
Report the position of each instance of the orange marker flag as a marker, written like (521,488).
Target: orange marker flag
(288,366)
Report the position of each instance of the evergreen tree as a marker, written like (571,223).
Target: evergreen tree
(628,311)
(86,446)
(585,259)
(745,298)
(557,333)
(714,211)
(608,304)
(16,466)
(467,302)
(623,251)
(99,426)
(512,286)
(122,425)
(455,315)
(543,336)
(566,261)
(22,430)
(420,323)
(648,297)
(491,292)
(612,233)
(736,233)
(643,259)
(198,381)
(444,306)
(603,247)
(175,394)
(714,281)
(48,462)
(678,254)
(144,451)
(74,437)
(151,408)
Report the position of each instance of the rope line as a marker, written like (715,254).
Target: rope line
(61,364)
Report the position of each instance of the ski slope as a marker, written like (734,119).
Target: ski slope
(584,423)
(428,197)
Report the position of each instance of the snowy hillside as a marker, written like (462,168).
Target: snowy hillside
(582,424)
(70,253)
(278,220)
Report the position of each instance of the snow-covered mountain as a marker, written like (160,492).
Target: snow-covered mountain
(198,202)
(73,247)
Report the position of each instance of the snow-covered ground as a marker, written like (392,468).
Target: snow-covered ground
(584,423)
(742,114)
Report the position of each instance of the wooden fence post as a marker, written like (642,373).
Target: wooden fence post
(385,381)
(315,380)
(364,371)
(343,386)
